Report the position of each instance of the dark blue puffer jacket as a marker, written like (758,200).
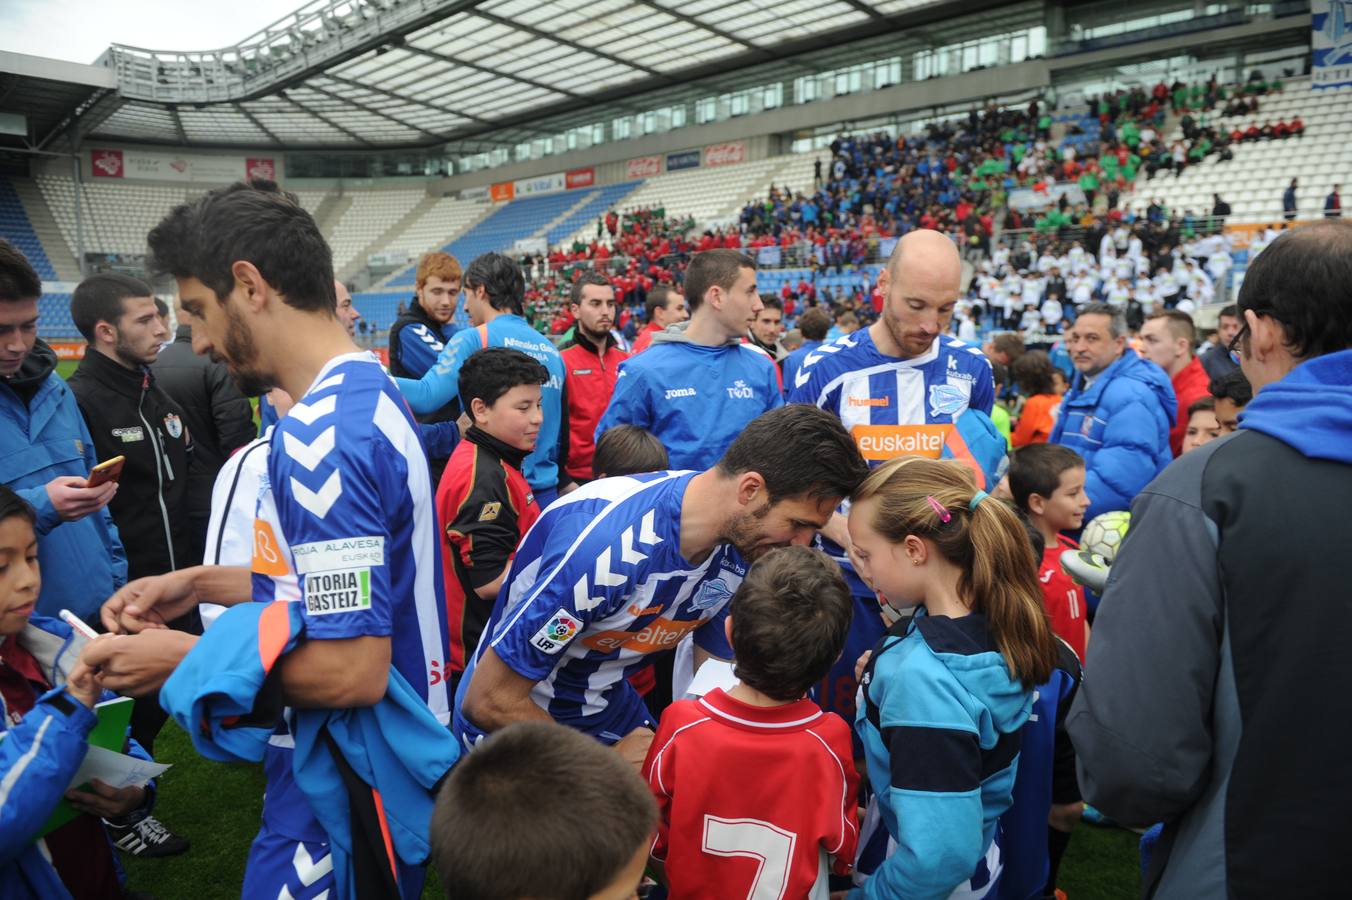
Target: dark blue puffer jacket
(1120,425)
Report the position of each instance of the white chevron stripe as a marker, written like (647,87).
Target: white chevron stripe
(318,502)
(603,576)
(331,381)
(582,602)
(646,533)
(309,412)
(627,552)
(307,870)
(311,454)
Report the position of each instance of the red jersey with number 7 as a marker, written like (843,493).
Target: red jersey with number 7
(755,802)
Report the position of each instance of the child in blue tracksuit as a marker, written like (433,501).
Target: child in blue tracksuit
(46,714)
(946,692)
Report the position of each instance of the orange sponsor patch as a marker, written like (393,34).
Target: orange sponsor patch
(660,634)
(267,555)
(882,442)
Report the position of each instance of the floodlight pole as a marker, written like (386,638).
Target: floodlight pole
(79,216)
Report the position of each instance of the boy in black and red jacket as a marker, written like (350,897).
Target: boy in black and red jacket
(484,504)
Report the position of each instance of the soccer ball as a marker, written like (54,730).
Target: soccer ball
(1104,534)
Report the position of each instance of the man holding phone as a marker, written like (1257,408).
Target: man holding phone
(46,454)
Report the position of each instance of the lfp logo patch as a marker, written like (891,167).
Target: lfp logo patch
(555,634)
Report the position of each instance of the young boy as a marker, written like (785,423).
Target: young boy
(1232,392)
(542,810)
(484,504)
(1203,425)
(1047,482)
(628,450)
(781,799)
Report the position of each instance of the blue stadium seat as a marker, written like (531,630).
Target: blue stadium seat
(54,321)
(15,228)
(597,205)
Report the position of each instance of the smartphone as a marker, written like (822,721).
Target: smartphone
(106,471)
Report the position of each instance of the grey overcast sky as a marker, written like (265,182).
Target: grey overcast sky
(80,30)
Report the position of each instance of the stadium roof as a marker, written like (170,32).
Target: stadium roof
(360,74)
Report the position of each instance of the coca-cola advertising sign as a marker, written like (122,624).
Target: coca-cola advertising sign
(643,167)
(725,154)
(106,163)
(260,168)
(579,178)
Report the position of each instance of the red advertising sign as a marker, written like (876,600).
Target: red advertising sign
(644,167)
(578,178)
(725,154)
(260,168)
(503,190)
(106,163)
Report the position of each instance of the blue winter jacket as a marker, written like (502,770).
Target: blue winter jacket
(82,562)
(397,746)
(38,758)
(1120,425)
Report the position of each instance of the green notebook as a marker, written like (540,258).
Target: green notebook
(110,733)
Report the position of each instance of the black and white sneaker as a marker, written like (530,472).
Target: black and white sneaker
(146,839)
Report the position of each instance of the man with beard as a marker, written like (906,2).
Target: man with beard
(129,415)
(898,387)
(591,363)
(417,338)
(351,496)
(624,568)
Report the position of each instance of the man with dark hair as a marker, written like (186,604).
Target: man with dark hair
(513,786)
(1232,393)
(1217,360)
(700,383)
(664,307)
(813,323)
(215,413)
(1117,413)
(130,415)
(351,494)
(494,299)
(769,326)
(1215,700)
(1167,340)
(628,450)
(46,454)
(419,335)
(627,567)
(591,360)
(484,505)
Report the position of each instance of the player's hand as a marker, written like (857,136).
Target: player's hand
(105,801)
(149,602)
(861,664)
(137,664)
(73,500)
(568,488)
(634,746)
(82,684)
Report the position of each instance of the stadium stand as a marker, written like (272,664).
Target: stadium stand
(16,228)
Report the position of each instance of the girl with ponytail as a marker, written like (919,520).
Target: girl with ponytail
(944,694)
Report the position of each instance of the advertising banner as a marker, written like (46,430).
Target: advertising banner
(725,154)
(1330,43)
(580,178)
(475,193)
(68,349)
(181,167)
(686,159)
(643,167)
(502,191)
(541,184)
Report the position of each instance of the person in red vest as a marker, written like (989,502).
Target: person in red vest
(1167,339)
(591,363)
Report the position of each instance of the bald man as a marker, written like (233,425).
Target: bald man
(898,387)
